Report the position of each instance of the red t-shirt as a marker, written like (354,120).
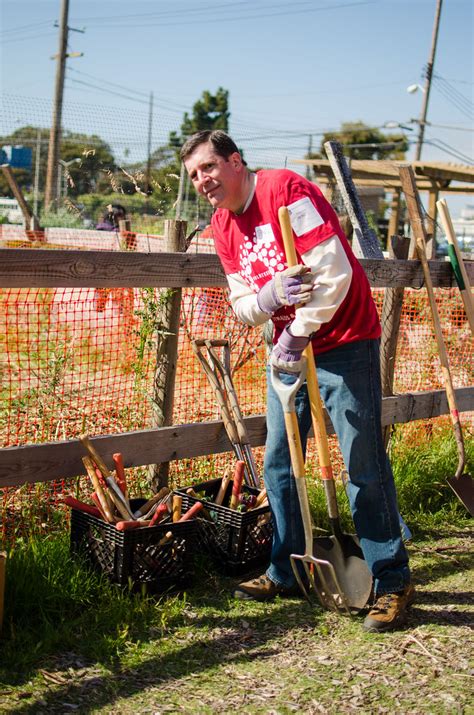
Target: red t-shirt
(251,245)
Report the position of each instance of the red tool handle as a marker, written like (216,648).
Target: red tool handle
(237,485)
(191,512)
(120,472)
(81,506)
(96,501)
(161,510)
(126,525)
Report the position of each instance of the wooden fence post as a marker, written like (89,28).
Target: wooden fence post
(128,240)
(167,351)
(391,314)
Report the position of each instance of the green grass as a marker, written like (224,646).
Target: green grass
(54,601)
(55,606)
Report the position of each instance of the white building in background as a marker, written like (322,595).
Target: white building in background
(464,226)
(464,229)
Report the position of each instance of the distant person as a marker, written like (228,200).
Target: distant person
(110,222)
(112,217)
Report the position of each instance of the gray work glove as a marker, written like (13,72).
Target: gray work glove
(286,354)
(292,286)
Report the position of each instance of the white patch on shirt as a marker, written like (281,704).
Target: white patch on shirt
(304,216)
(264,233)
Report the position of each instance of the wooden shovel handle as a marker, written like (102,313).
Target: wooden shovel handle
(90,468)
(85,440)
(317,415)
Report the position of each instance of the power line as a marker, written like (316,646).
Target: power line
(27,38)
(213,19)
(108,82)
(465,105)
(123,95)
(448,149)
(22,28)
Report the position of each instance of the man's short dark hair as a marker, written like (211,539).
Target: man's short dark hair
(221,142)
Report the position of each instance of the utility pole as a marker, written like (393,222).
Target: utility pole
(148,163)
(50,193)
(37,173)
(310,149)
(428,78)
(52,171)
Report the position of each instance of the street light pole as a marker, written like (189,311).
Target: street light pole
(428,78)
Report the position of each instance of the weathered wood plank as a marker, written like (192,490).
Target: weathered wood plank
(59,460)
(42,268)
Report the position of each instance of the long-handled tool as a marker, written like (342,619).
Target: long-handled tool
(344,581)
(457,262)
(223,367)
(461,483)
(211,370)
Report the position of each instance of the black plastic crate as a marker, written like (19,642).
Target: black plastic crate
(236,541)
(134,556)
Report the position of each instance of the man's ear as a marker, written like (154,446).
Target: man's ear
(236,160)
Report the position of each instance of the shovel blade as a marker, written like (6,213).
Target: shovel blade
(463,487)
(349,573)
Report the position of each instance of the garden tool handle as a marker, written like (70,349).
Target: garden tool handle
(286,395)
(317,416)
(457,262)
(235,412)
(225,414)
(89,465)
(407,180)
(85,439)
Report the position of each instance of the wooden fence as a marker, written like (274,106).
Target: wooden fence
(38,268)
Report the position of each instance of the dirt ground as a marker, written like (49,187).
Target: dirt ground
(224,656)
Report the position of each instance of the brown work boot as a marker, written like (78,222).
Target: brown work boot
(389,611)
(263,588)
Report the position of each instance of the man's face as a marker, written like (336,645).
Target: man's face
(221,181)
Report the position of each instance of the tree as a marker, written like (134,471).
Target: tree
(209,112)
(359,141)
(95,163)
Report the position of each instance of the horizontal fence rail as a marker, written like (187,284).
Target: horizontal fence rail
(58,460)
(43,268)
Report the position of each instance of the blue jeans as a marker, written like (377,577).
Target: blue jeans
(349,382)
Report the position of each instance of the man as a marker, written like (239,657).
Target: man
(339,317)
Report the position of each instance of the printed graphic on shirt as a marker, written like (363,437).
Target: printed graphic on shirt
(264,232)
(259,261)
(304,216)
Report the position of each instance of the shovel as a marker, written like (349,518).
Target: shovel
(461,483)
(344,581)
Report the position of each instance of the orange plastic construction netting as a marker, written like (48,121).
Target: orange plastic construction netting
(79,360)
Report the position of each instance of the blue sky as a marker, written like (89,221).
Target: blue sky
(293,69)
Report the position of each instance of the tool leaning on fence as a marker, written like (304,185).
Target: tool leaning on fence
(461,483)
(218,374)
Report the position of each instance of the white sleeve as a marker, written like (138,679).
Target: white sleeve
(244,301)
(333,271)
